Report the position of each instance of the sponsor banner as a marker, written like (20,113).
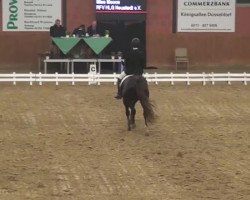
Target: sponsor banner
(30,15)
(206,16)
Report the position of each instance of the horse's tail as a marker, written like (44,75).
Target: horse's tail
(143,96)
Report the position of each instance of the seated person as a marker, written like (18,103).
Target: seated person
(94,29)
(57,30)
(80,31)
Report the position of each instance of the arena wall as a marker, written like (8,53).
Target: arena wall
(19,50)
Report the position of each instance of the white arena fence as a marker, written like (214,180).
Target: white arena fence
(156,78)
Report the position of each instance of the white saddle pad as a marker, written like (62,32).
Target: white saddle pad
(125,79)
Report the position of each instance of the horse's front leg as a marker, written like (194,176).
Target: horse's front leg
(128,118)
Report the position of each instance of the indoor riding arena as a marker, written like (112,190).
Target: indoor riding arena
(64,135)
(71,142)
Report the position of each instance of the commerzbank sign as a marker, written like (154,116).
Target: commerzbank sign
(30,15)
(206,16)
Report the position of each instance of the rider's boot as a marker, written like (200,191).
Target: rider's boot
(119,92)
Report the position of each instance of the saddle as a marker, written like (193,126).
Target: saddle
(123,79)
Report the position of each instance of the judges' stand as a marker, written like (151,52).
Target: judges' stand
(48,60)
(112,60)
(96,44)
(88,61)
(70,63)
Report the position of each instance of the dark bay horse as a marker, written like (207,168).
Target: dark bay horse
(135,88)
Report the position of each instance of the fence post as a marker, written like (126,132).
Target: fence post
(228,79)
(31,83)
(212,78)
(89,78)
(188,80)
(56,74)
(156,82)
(204,79)
(172,81)
(245,78)
(14,78)
(40,78)
(98,78)
(73,78)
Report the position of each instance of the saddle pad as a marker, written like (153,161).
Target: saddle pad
(125,79)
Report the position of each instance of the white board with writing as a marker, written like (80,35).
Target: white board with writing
(206,16)
(30,15)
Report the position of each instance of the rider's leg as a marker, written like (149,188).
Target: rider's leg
(119,92)
(118,95)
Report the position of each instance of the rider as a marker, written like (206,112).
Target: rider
(134,63)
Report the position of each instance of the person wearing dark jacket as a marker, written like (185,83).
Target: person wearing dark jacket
(134,60)
(134,63)
(57,30)
(94,29)
(80,31)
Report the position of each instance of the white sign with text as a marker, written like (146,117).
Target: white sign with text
(30,15)
(206,16)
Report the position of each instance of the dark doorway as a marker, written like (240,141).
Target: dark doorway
(122,32)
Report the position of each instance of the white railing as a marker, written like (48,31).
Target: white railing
(156,78)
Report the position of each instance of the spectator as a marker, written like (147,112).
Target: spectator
(80,31)
(57,30)
(94,29)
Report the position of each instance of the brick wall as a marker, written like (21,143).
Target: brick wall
(19,50)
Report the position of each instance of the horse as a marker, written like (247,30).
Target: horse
(133,89)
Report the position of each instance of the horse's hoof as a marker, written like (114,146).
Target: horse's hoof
(133,126)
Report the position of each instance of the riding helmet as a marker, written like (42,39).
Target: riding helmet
(135,43)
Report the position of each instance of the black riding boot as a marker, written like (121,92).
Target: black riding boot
(119,92)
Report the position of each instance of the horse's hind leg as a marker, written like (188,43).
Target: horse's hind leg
(132,119)
(128,118)
(145,118)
